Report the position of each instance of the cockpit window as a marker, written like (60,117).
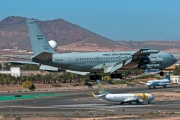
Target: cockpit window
(172,56)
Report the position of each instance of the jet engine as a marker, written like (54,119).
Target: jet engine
(148,66)
(153,60)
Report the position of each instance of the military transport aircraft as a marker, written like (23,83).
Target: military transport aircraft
(86,62)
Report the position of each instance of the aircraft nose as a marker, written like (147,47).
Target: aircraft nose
(151,98)
(168,59)
(147,84)
(175,60)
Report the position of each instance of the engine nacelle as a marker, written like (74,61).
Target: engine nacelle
(148,66)
(154,60)
(150,51)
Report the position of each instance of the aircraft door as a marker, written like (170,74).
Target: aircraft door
(70,60)
(98,59)
(119,59)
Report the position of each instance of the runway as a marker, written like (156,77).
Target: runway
(68,103)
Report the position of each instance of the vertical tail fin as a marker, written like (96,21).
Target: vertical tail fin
(168,76)
(38,41)
(101,88)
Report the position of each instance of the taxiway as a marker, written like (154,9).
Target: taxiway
(69,103)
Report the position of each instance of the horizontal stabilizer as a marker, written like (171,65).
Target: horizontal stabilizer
(48,68)
(77,72)
(22,62)
(27,57)
(97,96)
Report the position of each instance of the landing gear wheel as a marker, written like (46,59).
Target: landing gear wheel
(148,102)
(95,77)
(121,103)
(164,86)
(161,73)
(116,75)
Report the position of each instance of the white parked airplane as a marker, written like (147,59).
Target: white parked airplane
(122,98)
(163,82)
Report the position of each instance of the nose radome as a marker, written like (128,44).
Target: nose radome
(152,98)
(175,60)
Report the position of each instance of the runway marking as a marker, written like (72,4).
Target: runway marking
(77,106)
(96,106)
(24,107)
(31,96)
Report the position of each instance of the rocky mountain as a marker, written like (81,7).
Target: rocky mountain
(71,37)
(13,33)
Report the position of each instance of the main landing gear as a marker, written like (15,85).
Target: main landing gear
(95,77)
(116,76)
(161,73)
(121,103)
(164,86)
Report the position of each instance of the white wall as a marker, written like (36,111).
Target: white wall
(175,79)
(15,71)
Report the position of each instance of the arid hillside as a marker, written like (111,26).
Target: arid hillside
(169,46)
(13,33)
(71,37)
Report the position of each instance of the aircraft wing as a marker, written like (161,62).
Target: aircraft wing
(48,68)
(128,63)
(130,99)
(44,56)
(77,72)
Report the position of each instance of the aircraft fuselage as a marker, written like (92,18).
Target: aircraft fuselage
(87,60)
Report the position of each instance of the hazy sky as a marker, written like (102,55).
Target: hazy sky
(114,19)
